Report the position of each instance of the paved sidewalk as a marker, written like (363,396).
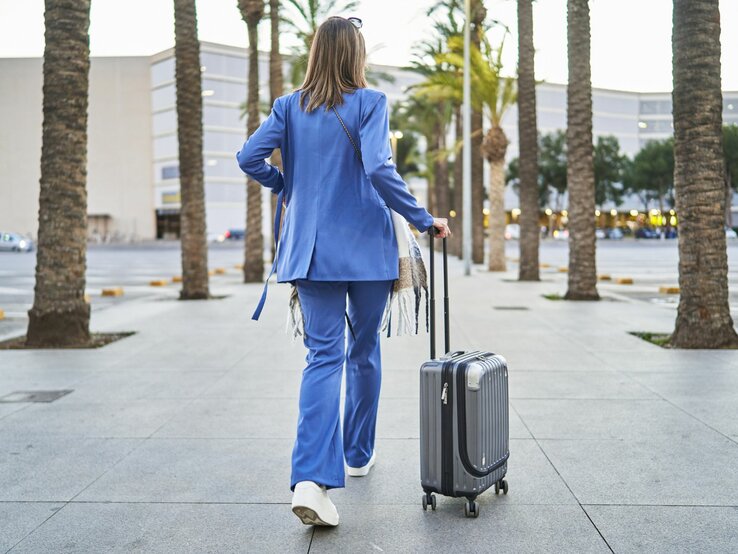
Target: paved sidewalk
(178,438)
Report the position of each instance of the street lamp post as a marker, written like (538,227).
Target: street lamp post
(466,109)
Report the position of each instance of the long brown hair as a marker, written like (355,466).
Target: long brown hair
(336,64)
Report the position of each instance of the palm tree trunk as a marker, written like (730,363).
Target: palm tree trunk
(456,240)
(703,317)
(276,88)
(496,261)
(495,148)
(253,267)
(60,316)
(580,168)
(477,178)
(528,143)
(479,14)
(189,136)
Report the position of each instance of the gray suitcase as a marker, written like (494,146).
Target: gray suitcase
(464,418)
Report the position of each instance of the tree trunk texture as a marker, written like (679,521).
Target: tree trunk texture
(528,144)
(495,148)
(253,267)
(477,179)
(189,135)
(457,223)
(60,316)
(703,316)
(478,15)
(580,166)
(276,89)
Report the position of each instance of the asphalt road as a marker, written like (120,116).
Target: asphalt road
(651,263)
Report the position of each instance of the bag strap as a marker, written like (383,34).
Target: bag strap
(356,148)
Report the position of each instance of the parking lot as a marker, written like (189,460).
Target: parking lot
(650,263)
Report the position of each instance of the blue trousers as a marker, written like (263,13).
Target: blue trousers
(322,444)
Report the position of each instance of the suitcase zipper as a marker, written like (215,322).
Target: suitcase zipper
(447,419)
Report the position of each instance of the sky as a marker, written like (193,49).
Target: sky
(631,39)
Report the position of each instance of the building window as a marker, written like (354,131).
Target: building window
(170,172)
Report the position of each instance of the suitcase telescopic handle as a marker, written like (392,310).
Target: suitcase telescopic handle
(432,232)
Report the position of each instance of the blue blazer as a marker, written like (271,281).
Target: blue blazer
(338,226)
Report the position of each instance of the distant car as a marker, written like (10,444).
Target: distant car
(615,233)
(561,234)
(730,233)
(512,231)
(670,233)
(600,233)
(646,233)
(13,242)
(234,234)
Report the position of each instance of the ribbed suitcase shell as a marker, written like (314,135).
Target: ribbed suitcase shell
(485,397)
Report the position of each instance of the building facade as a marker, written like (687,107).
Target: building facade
(133,168)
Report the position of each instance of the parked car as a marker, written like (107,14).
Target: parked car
(614,233)
(670,233)
(512,231)
(646,233)
(600,233)
(234,234)
(561,234)
(730,233)
(13,242)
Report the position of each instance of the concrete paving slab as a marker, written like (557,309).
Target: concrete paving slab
(269,383)
(199,470)
(44,468)
(20,518)
(167,528)
(722,384)
(694,469)
(605,419)
(667,529)
(395,479)
(132,419)
(499,528)
(575,384)
(234,418)
(132,385)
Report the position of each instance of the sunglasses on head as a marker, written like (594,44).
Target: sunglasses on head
(355,21)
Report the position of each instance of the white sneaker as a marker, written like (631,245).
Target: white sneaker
(311,504)
(361,471)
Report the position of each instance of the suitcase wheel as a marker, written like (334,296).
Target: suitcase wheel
(471,508)
(429,499)
(501,485)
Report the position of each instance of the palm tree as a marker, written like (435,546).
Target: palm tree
(189,136)
(276,85)
(252,12)
(703,317)
(306,16)
(493,94)
(497,94)
(60,316)
(580,166)
(528,143)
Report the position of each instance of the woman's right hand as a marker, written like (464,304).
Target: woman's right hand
(441,224)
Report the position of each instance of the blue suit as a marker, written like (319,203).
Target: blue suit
(337,240)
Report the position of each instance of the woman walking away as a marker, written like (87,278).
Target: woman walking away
(338,240)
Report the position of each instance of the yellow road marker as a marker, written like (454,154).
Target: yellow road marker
(669,290)
(116,291)
(159,283)
(624,281)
